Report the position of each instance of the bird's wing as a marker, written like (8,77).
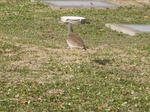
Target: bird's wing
(75,40)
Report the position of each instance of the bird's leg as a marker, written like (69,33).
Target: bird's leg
(78,56)
(78,52)
(71,52)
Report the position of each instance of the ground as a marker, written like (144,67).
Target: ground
(38,72)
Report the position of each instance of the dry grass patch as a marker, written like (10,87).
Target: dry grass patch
(66,56)
(3,1)
(129,2)
(126,62)
(41,79)
(66,77)
(31,57)
(55,91)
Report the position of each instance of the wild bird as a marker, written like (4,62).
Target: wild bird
(73,40)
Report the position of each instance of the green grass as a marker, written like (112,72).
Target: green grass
(39,73)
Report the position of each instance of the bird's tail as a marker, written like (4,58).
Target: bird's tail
(84,48)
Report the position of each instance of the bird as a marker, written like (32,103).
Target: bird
(73,40)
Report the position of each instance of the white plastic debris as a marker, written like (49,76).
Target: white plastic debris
(72,19)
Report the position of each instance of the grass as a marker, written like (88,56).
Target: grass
(39,73)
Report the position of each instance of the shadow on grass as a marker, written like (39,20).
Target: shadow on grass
(101,62)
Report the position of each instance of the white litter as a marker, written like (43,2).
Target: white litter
(72,19)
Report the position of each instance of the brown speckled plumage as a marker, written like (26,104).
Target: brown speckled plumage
(73,40)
